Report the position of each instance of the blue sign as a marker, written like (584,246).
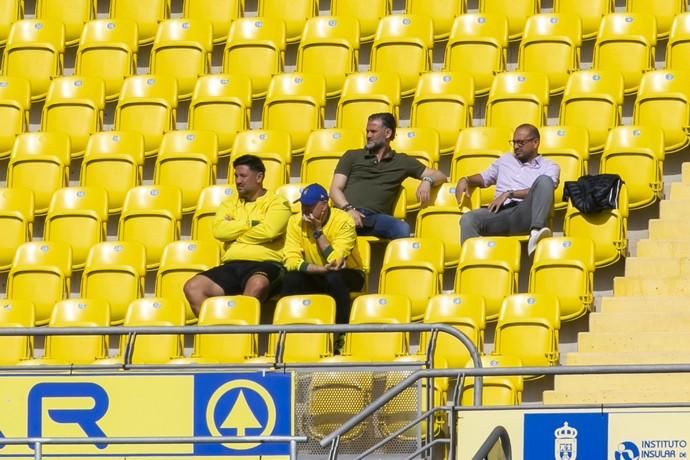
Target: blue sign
(566,436)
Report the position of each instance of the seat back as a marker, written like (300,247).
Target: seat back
(16,313)
(154,311)
(73,14)
(272,146)
(500,390)
(422,144)
(210,199)
(664,11)
(16,222)
(516,12)
(294,13)
(590,13)
(678,45)
(15,104)
(441,12)
(10,13)
(516,98)
(146,15)
(365,93)
(366,12)
(568,147)
(78,349)
(219,13)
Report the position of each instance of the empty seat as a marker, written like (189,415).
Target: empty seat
(34,51)
(663,101)
(39,162)
(413,267)
(626,43)
(115,273)
(441,12)
(367,12)
(255,48)
(499,390)
(489,267)
(557,36)
(113,160)
(329,47)
(295,103)
(16,313)
(10,12)
(564,267)
(187,160)
(568,147)
(274,149)
(516,98)
(16,222)
(422,144)
(291,193)
(210,199)
(73,14)
(15,104)
(74,106)
(108,49)
(478,45)
(77,216)
(219,13)
(678,44)
(590,13)
(403,44)
(515,11)
(294,13)
(182,49)
(44,264)
(664,11)
(636,153)
(365,93)
(323,150)
(443,101)
(180,261)
(146,15)
(221,103)
(151,216)
(147,104)
(593,99)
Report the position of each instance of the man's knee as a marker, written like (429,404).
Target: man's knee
(543,181)
(257,286)
(193,288)
(468,220)
(399,229)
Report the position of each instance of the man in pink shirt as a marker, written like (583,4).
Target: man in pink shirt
(523,203)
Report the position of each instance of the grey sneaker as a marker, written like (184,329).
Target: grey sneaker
(536,237)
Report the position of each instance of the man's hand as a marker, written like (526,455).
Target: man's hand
(312,221)
(462,190)
(357,216)
(496,204)
(424,192)
(313,268)
(336,264)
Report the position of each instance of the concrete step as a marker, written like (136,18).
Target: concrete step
(669,229)
(674,209)
(652,357)
(645,303)
(627,286)
(622,382)
(633,342)
(680,191)
(657,267)
(643,395)
(663,248)
(652,321)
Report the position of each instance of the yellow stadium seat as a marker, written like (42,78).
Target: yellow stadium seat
(443,101)
(378,346)
(590,12)
(465,312)
(74,106)
(77,216)
(678,44)
(489,266)
(516,98)
(636,153)
(108,49)
(39,162)
(227,348)
(296,103)
(274,149)
(527,328)
(403,44)
(568,147)
(221,103)
(11,11)
(15,105)
(608,229)
(210,199)
(441,12)
(557,36)
(365,93)
(330,47)
(151,216)
(302,309)
(34,51)
(663,101)
(45,264)
(475,150)
(413,267)
(113,160)
(16,222)
(187,159)
(515,11)
(626,43)
(367,12)
(16,313)
(73,14)
(77,349)
(255,48)
(146,15)
(115,272)
(499,390)
(147,104)
(180,261)
(294,13)
(564,267)
(478,45)
(182,49)
(663,10)
(422,144)
(329,143)
(291,193)
(220,13)
(593,99)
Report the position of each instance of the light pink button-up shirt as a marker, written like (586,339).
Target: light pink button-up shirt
(508,173)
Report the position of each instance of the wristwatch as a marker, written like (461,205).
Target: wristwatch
(510,194)
(317,234)
(428,179)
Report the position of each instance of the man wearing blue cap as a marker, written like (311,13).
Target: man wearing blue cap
(320,252)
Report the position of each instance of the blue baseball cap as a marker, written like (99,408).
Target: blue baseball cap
(312,194)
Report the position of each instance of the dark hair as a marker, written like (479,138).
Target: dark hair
(251,161)
(387,119)
(531,129)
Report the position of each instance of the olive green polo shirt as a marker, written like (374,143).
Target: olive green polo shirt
(375,185)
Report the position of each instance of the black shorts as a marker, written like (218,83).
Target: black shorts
(233,276)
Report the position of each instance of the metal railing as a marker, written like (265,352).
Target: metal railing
(497,434)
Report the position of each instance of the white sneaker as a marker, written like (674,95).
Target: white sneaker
(535,237)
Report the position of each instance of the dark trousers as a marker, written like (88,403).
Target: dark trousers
(337,284)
